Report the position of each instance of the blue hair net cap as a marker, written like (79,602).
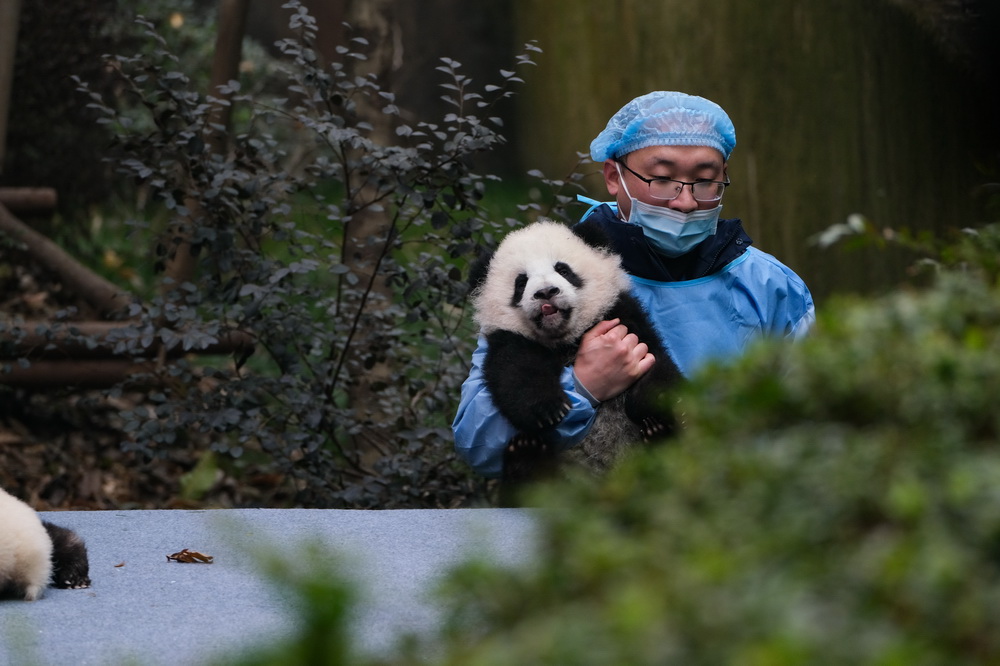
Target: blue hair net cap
(664,118)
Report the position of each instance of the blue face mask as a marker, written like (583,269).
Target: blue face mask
(672,232)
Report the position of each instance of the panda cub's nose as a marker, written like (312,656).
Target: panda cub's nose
(546,293)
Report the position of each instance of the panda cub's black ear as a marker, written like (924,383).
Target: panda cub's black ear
(479,269)
(592,234)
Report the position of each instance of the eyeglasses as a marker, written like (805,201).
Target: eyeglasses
(668,188)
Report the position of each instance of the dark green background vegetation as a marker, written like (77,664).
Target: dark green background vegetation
(869,109)
(833,501)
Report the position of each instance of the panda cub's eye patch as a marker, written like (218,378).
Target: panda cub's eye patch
(567,272)
(519,284)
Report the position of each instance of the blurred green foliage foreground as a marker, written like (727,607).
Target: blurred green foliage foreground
(836,501)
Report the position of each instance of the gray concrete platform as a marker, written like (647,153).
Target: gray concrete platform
(144,609)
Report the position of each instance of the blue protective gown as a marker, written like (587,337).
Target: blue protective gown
(708,304)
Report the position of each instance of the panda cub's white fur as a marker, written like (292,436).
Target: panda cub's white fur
(534,251)
(25,550)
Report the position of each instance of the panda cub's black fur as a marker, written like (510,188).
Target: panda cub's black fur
(535,296)
(35,554)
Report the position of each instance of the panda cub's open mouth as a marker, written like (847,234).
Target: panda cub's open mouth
(551,319)
(546,300)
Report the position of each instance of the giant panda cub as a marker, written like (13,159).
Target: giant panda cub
(35,554)
(534,297)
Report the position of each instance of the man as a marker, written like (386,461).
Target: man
(709,293)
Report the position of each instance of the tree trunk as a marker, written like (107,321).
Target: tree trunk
(368,230)
(10,11)
(180,264)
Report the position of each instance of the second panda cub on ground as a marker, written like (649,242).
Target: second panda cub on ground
(535,296)
(35,554)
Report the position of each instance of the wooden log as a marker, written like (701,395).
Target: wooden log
(29,199)
(87,340)
(108,298)
(76,374)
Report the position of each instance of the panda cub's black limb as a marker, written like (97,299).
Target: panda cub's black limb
(70,564)
(36,554)
(535,296)
(528,457)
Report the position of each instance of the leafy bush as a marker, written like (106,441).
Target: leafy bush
(834,501)
(831,502)
(334,228)
(321,598)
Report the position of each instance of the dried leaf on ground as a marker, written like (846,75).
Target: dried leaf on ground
(190,557)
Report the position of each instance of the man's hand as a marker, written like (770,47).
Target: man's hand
(610,359)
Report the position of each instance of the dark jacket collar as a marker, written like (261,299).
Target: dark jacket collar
(640,259)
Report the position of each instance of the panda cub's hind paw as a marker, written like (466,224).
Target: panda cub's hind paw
(654,428)
(524,444)
(527,457)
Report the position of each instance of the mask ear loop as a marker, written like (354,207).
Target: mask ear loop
(621,179)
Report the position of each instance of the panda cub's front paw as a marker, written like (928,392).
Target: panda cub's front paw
(550,413)
(534,413)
